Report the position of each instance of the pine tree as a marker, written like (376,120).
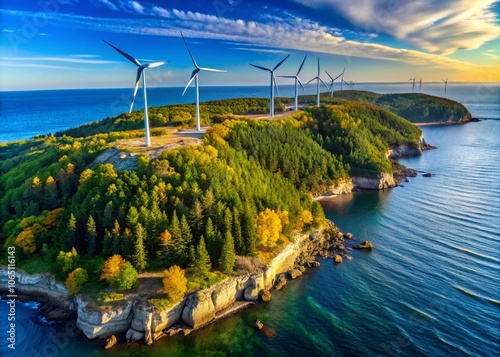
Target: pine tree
(236,231)
(227,221)
(108,215)
(107,244)
(201,264)
(208,202)
(71,232)
(196,218)
(50,194)
(132,218)
(211,240)
(116,249)
(187,236)
(91,236)
(139,257)
(178,247)
(227,258)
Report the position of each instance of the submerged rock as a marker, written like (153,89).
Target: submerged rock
(428,174)
(280,282)
(258,324)
(365,245)
(268,332)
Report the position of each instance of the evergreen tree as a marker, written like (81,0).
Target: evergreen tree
(132,218)
(127,246)
(139,257)
(236,231)
(164,247)
(187,236)
(50,194)
(71,232)
(91,235)
(108,215)
(201,264)
(208,203)
(196,219)
(116,249)
(212,244)
(107,244)
(178,250)
(227,258)
(228,220)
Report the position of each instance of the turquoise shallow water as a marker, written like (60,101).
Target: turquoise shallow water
(431,286)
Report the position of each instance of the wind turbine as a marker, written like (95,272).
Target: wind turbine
(420,82)
(342,80)
(445,84)
(332,81)
(318,80)
(413,87)
(273,82)
(194,76)
(297,81)
(141,71)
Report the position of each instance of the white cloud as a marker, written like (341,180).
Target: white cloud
(109,4)
(436,26)
(69,59)
(8,31)
(137,7)
(161,11)
(260,50)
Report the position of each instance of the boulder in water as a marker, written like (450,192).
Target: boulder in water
(365,245)
(258,324)
(337,259)
(295,273)
(265,295)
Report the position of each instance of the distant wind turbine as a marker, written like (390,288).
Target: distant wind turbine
(342,80)
(413,87)
(332,82)
(194,76)
(297,82)
(445,84)
(318,80)
(420,84)
(273,82)
(141,71)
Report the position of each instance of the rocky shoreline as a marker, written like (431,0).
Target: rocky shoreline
(138,320)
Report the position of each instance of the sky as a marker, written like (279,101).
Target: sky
(56,44)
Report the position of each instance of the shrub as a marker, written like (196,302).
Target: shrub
(126,279)
(76,279)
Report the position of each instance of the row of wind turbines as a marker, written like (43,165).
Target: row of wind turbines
(445,81)
(141,73)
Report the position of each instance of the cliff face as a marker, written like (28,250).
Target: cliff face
(383,181)
(341,188)
(140,321)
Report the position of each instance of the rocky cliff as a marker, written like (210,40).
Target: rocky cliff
(139,320)
(383,181)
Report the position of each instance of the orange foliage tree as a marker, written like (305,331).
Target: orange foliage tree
(268,228)
(112,267)
(76,279)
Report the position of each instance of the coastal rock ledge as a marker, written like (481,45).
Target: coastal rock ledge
(136,319)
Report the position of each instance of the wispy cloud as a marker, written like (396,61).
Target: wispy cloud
(489,54)
(8,31)
(280,34)
(259,50)
(137,7)
(436,26)
(31,65)
(70,59)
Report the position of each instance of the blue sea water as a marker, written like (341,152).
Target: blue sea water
(431,286)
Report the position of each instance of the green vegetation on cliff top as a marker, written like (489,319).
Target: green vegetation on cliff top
(246,190)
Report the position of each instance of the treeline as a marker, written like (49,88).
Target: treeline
(182,115)
(415,107)
(360,135)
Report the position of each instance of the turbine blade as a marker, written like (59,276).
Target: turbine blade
(190,54)
(323,83)
(298,80)
(126,55)
(212,70)
(193,76)
(300,68)
(279,64)
(287,76)
(137,79)
(337,77)
(154,64)
(329,76)
(276,85)
(259,67)
(312,80)
(318,66)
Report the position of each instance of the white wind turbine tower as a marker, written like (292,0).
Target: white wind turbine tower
(318,80)
(194,76)
(297,82)
(413,87)
(420,84)
(273,82)
(332,82)
(445,84)
(141,71)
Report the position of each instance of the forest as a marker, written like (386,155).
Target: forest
(195,212)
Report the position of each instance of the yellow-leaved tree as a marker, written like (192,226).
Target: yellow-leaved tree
(112,267)
(175,282)
(269,228)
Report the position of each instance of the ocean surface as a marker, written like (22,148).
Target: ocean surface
(431,286)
